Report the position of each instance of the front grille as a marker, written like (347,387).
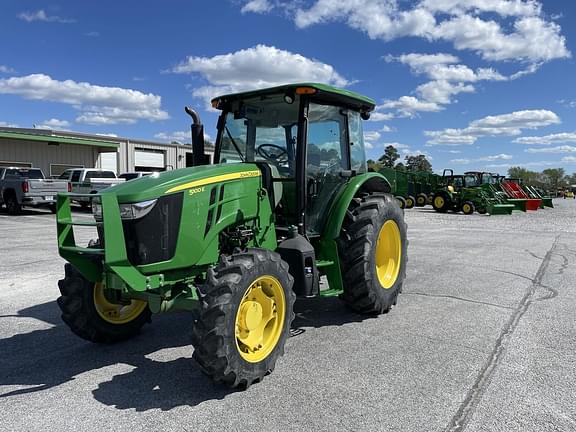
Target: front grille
(153,237)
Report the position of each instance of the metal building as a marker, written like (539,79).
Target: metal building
(56,151)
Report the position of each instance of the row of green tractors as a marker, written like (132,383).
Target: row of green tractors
(473,191)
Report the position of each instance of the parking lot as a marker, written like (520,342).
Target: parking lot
(483,339)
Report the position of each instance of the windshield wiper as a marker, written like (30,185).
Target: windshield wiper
(234,143)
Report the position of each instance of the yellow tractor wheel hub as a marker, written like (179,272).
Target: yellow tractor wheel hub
(260,319)
(388,255)
(439,202)
(116,313)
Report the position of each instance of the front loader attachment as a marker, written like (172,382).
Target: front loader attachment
(500,209)
(520,204)
(547,201)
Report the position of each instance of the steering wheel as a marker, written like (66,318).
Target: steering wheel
(273,153)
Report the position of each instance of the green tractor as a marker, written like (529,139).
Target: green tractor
(288,200)
(462,193)
(491,184)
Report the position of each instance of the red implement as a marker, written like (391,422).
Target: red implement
(515,191)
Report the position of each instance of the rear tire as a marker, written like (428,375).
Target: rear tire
(410,202)
(372,275)
(421,200)
(441,202)
(80,312)
(12,206)
(237,338)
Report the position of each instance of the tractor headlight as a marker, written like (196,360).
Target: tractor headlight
(136,210)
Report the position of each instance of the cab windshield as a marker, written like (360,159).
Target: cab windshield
(261,131)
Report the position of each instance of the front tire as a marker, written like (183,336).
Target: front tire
(91,316)
(373,251)
(468,207)
(246,311)
(401,202)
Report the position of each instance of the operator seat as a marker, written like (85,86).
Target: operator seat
(274,188)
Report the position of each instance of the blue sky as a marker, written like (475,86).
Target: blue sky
(474,84)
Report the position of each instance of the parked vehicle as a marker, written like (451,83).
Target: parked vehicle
(134,175)
(27,187)
(89,181)
(237,241)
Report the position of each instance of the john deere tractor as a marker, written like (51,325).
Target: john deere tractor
(462,193)
(287,201)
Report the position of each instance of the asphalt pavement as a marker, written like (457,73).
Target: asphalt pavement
(483,339)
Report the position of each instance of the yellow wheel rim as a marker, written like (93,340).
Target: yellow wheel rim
(116,313)
(409,202)
(260,319)
(388,254)
(438,202)
(466,208)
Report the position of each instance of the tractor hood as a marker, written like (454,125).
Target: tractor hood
(191,179)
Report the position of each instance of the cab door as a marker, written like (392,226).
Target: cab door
(327,161)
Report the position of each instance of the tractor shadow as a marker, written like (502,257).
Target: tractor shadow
(162,376)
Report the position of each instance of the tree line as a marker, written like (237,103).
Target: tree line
(391,155)
(552,179)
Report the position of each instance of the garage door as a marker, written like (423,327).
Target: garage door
(108,161)
(149,158)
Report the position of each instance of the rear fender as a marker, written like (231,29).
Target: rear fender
(328,247)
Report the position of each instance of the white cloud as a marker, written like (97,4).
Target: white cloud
(569,159)
(53,124)
(501,156)
(532,39)
(441,92)
(257,6)
(7,124)
(385,128)
(510,124)
(559,149)
(467,24)
(179,136)
(97,104)
(41,15)
(409,153)
(377,116)
(559,138)
(183,137)
(256,67)
(447,77)
(6,69)
(399,146)
(371,136)
(492,158)
(408,106)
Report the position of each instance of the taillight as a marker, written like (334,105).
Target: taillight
(25,187)
(69,187)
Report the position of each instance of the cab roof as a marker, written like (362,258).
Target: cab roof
(324,91)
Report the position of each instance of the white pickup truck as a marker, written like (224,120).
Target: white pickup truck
(89,181)
(27,187)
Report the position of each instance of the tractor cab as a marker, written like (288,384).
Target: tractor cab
(306,140)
